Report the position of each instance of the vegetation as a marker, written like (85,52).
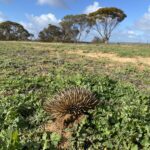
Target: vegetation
(50,34)
(75,24)
(70,28)
(70,31)
(32,73)
(13,31)
(105,20)
(97,40)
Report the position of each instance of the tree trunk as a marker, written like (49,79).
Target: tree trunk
(106,40)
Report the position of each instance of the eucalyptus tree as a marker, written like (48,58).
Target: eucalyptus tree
(70,31)
(13,31)
(105,20)
(51,34)
(75,25)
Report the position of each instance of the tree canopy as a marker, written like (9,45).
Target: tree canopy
(13,31)
(69,29)
(105,20)
(51,33)
(78,23)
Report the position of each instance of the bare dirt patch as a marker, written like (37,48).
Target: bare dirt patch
(113,57)
(60,125)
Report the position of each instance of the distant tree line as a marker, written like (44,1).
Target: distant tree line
(70,28)
(13,31)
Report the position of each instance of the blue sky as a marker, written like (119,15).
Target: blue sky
(37,14)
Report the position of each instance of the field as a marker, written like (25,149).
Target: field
(32,72)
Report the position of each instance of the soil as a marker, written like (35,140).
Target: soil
(113,57)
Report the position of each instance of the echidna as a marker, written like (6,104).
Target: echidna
(73,101)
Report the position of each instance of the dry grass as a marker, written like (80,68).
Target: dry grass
(113,57)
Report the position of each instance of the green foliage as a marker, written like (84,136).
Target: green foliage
(70,28)
(70,31)
(120,122)
(97,40)
(79,23)
(108,12)
(51,34)
(13,31)
(31,74)
(55,138)
(105,20)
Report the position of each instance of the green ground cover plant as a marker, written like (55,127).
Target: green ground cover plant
(32,73)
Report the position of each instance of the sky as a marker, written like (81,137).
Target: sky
(34,15)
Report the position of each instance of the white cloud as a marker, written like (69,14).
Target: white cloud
(131,33)
(128,34)
(91,8)
(58,3)
(2,17)
(36,23)
(139,31)
(143,23)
